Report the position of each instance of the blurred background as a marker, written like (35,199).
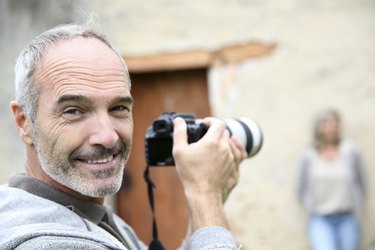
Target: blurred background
(277,62)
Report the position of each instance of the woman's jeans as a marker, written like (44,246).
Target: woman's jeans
(334,232)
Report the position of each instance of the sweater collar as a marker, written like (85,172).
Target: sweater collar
(91,211)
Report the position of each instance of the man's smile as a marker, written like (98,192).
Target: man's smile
(100,160)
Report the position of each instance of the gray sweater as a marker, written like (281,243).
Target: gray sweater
(350,154)
(28,221)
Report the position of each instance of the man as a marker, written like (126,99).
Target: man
(73,111)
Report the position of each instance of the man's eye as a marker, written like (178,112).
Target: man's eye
(72,111)
(120,109)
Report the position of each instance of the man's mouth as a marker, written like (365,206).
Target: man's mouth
(99,160)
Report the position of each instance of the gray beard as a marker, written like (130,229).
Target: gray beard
(72,178)
(75,181)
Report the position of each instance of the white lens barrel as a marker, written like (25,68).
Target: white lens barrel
(248,132)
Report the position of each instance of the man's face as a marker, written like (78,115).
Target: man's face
(83,130)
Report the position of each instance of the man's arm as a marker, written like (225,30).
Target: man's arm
(208,170)
(60,243)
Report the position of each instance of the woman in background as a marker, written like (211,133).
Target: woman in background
(331,186)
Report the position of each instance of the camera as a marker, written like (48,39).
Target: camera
(159,136)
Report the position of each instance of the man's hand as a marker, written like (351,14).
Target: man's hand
(208,170)
(240,154)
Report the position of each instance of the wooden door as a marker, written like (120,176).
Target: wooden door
(154,93)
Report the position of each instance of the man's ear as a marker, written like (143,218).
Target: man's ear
(22,122)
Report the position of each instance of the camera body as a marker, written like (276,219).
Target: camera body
(159,136)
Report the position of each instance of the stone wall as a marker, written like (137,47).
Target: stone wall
(324,57)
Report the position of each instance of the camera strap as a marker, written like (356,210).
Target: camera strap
(155,243)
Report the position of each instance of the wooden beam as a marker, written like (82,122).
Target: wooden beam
(168,61)
(194,59)
(241,52)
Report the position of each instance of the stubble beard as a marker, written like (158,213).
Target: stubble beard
(61,169)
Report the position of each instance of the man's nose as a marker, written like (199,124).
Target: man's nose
(103,132)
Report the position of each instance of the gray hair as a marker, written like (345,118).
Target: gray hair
(319,119)
(27,91)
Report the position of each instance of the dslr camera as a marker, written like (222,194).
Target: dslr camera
(159,136)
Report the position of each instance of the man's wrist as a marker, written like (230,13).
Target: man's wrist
(206,209)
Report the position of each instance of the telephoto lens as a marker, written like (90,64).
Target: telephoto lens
(159,136)
(248,132)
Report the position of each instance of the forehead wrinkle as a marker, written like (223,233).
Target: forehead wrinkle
(103,82)
(73,82)
(71,88)
(74,86)
(73,68)
(64,67)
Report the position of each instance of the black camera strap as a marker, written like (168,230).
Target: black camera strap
(155,243)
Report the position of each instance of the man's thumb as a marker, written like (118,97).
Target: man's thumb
(179,133)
